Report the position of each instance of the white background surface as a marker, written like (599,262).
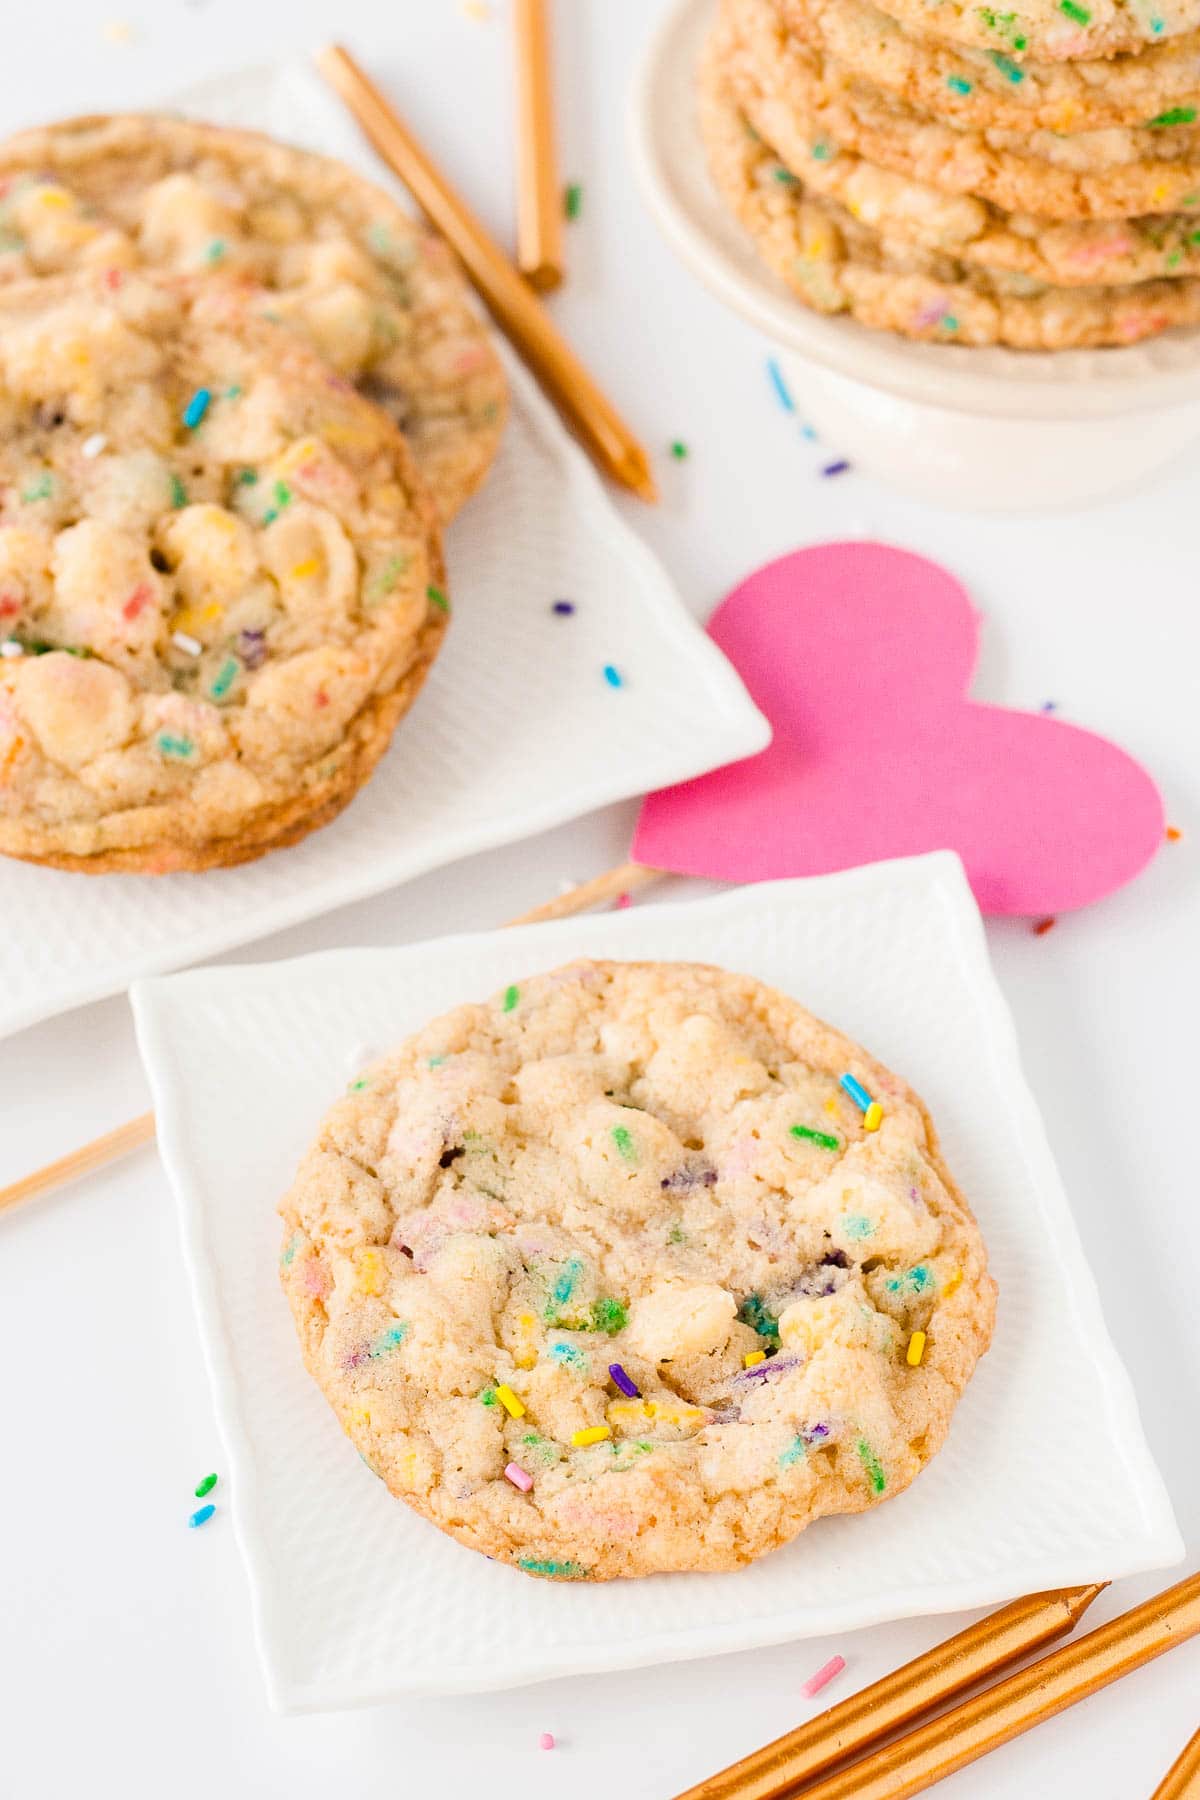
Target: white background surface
(125,1656)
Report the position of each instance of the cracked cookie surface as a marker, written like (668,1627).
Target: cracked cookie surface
(609,1275)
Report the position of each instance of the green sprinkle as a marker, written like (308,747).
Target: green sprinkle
(356,1087)
(225,677)
(247,478)
(784,175)
(205,1487)
(1177,115)
(573,199)
(856,1225)
(435,597)
(796,1451)
(42,489)
(1073,10)
(872,1465)
(822,151)
(915,1281)
(290,1249)
(488,1397)
(387,1340)
(561,1571)
(753,1312)
(178,491)
(677,1235)
(435,1062)
(511,997)
(283,494)
(624,1143)
(215,251)
(957,84)
(234,392)
(388,576)
(679,451)
(948,322)
(1175,258)
(823,1139)
(609,1315)
(1006,65)
(177,749)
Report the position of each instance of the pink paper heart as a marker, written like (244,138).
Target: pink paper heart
(861,656)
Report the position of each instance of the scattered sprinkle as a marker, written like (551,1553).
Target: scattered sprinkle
(388,1340)
(10,648)
(824,1140)
(189,645)
(1073,10)
(591,1434)
(609,1315)
(679,450)
(873,1117)
(780,385)
(91,447)
(1007,66)
(225,677)
(1177,115)
(519,1477)
(836,468)
(822,151)
(622,901)
(916,1349)
(196,408)
(613,676)
(214,251)
(41,489)
(435,597)
(202,1515)
(563,608)
(1048,706)
(857,1225)
(954,1282)
(176,749)
(957,84)
(546,1741)
(511,997)
(823,1676)
(1173,834)
(623,1381)
(624,1142)
(206,1486)
(573,199)
(178,492)
(872,1465)
(856,1091)
(561,1571)
(752,1358)
(513,1407)
(1043,926)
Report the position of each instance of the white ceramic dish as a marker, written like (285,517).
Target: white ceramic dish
(1045,1479)
(515,731)
(990,429)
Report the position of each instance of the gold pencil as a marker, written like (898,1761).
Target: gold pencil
(1182,1779)
(539,196)
(514,306)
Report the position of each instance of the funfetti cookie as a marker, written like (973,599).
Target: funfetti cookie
(634,1267)
(1051,30)
(220,578)
(380,296)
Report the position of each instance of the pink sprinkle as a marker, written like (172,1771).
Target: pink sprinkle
(137,601)
(112,278)
(516,1474)
(823,1677)
(546,1741)
(623,900)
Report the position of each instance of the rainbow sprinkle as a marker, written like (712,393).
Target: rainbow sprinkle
(780,386)
(206,1486)
(823,1676)
(679,450)
(573,199)
(560,1571)
(546,1741)
(176,749)
(624,1143)
(623,1382)
(201,1516)
(511,996)
(435,597)
(513,1407)
(856,1091)
(563,608)
(196,408)
(752,1358)
(916,1349)
(1043,926)
(957,84)
(613,676)
(824,1140)
(873,1117)
(519,1477)
(872,1465)
(590,1434)
(836,468)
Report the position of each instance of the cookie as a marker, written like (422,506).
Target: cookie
(610,1276)
(835,264)
(1102,175)
(1051,30)
(1085,253)
(378,295)
(220,578)
(1158,89)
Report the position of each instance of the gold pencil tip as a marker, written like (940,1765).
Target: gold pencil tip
(635,473)
(1077,1600)
(544,277)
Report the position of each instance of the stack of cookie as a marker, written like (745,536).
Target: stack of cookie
(964,174)
(240,393)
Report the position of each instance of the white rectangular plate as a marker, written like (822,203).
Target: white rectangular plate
(1046,1478)
(516,730)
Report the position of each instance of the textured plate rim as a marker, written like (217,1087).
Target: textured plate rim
(998,382)
(942,875)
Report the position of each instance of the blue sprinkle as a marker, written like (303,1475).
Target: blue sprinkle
(564,607)
(807,432)
(201,1516)
(196,408)
(856,1091)
(836,468)
(1049,706)
(613,676)
(780,385)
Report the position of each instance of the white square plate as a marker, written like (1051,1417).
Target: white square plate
(515,731)
(1045,1479)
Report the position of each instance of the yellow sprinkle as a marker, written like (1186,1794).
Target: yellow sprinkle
(54,197)
(508,1400)
(873,1117)
(592,1434)
(212,612)
(752,1357)
(359,1415)
(954,1281)
(371,1270)
(831,1106)
(1159,195)
(916,1348)
(302,570)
